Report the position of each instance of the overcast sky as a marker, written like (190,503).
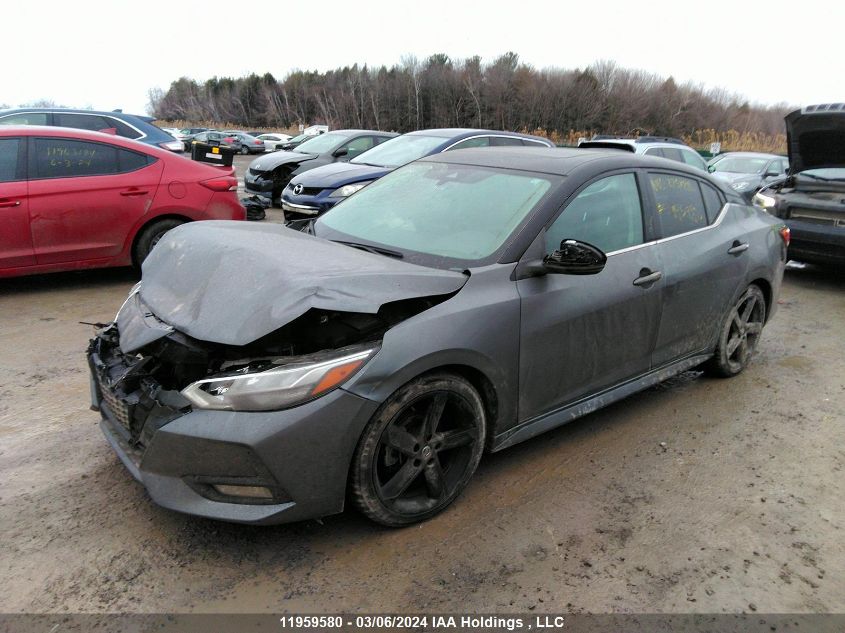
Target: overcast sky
(107,55)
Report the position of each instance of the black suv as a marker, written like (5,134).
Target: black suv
(811,199)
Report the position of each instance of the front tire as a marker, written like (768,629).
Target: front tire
(419,451)
(739,334)
(149,237)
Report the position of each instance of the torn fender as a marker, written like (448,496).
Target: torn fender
(234,282)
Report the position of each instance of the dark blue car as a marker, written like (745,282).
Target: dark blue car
(139,128)
(318,190)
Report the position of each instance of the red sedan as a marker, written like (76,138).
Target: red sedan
(72,199)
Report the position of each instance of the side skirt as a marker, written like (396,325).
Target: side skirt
(565,414)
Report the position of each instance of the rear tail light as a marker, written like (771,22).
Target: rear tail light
(229,139)
(785,234)
(225,183)
(259,142)
(173,146)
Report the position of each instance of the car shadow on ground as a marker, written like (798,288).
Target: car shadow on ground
(71,280)
(814,276)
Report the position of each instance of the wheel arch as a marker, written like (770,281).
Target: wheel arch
(766,288)
(136,233)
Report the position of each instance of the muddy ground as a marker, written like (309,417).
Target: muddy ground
(700,495)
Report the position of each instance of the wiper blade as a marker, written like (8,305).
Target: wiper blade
(815,177)
(372,249)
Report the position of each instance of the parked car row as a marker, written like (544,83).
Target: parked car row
(323,171)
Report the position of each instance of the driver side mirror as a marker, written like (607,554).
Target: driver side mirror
(575,258)
(343,151)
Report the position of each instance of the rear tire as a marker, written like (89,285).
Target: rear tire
(419,451)
(244,150)
(739,334)
(149,237)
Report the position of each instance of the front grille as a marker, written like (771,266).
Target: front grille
(118,408)
(307,191)
(817,216)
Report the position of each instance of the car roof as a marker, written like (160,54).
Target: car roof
(458,133)
(114,113)
(559,161)
(350,132)
(751,154)
(83,135)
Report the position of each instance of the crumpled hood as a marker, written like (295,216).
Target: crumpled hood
(274,159)
(339,174)
(815,137)
(233,282)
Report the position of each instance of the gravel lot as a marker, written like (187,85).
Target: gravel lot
(700,495)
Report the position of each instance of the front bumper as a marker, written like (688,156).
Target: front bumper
(308,205)
(178,453)
(817,243)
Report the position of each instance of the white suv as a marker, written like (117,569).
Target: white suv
(664,146)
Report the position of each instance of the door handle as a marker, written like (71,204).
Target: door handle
(134,192)
(647,277)
(738,247)
(9,203)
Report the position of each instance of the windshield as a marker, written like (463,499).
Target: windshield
(399,151)
(321,144)
(741,165)
(460,212)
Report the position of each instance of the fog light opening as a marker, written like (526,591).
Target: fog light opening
(248,492)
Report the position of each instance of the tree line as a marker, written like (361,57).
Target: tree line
(439,91)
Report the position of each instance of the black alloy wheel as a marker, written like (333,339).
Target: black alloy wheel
(740,334)
(419,451)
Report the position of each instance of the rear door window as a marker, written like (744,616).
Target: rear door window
(9,149)
(66,158)
(92,122)
(679,203)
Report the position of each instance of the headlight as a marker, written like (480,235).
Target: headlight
(276,388)
(348,190)
(742,186)
(762,200)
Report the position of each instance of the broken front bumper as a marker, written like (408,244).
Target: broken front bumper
(181,454)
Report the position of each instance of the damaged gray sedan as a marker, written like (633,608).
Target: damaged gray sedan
(465,302)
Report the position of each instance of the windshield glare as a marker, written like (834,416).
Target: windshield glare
(399,151)
(456,211)
(320,144)
(738,165)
